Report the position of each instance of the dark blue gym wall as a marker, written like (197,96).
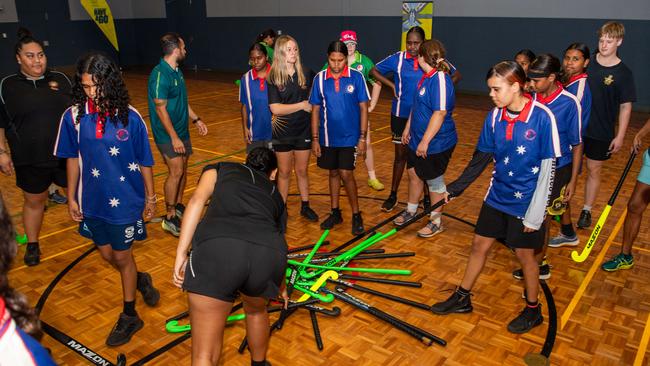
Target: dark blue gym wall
(219,32)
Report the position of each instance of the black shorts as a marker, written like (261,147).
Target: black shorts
(430,167)
(493,223)
(397,125)
(222,267)
(596,149)
(560,181)
(291,143)
(337,158)
(38,177)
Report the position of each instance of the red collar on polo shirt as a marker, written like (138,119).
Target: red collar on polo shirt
(255,76)
(344,73)
(576,77)
(416,64)
(101,120)
(552,96)
(427,75)
(522,117)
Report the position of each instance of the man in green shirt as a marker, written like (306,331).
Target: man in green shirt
(170,113)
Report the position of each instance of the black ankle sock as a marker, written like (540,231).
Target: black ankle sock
(32,243)
(358,214)
(531,304)
(393,194)
(567,230)
(129,308)
(336,210)
(304,203)
(462,291)
(258,363)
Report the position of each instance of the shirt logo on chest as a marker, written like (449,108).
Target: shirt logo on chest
(350,89)
(608,80)
(530,134)
(122,134)
(423,91)
(360,67)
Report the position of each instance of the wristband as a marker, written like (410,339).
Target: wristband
(196,119)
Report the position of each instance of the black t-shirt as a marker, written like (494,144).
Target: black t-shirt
(610,87)
(297,124)
(30,112)
(245,205)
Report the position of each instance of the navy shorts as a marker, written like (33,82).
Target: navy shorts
(120,237)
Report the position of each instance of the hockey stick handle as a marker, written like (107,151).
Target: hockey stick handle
(367,290)
(314,325)
(381,280)
(630,161)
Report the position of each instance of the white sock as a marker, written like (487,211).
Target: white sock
(586,208)
(371,174)
(436,217)
(411,207)
(51,189)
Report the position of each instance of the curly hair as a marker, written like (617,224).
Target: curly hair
(112,97)
(25,316)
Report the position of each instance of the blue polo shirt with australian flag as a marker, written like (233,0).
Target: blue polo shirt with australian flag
(435,93)
(406,74)
(253,93)
(339,99)
(519,144)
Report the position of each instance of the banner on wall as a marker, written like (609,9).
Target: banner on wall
(416,13)
(101,14)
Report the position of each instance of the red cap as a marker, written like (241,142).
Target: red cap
(349,36)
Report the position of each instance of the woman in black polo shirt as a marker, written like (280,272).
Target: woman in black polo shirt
(31,104)
(289,86)
(238,247)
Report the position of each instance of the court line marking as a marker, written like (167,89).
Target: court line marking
(592,271)
(640,353)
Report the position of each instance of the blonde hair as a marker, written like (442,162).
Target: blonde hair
(612,29)
(433,52)
(279,74)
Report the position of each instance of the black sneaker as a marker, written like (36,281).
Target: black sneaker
(389,204)
(528,319)
(456,303)
(426,201)
(585,219)
(334,218)
(145,285)
(124,329)
(357,224)
(308,213)
(32,254)
(544,271)
(172,226)
(180,210)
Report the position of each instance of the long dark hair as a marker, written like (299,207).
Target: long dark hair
(419,30)
(337,46)
(546,64)
(19,309)
(112,96)
(25,37)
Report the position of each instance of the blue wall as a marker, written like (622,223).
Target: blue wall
(473,44)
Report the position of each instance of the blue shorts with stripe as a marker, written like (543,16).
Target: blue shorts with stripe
(120,237)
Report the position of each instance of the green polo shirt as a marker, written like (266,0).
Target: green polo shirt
(363,64)
(169,84)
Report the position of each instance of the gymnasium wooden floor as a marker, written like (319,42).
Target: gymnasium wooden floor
(602,318)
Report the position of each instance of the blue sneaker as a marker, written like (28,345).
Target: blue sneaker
(561,240)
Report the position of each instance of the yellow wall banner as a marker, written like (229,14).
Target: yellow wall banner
(101,14)
(416,13)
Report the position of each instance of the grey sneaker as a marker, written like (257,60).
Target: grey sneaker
(403,218)
(430,229)
(562,240)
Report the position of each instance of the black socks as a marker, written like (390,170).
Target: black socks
(129,308)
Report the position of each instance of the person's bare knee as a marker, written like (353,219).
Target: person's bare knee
(254,305)
(480,247)
(122,258)
(346,175)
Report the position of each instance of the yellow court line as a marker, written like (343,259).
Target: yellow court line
(216,153)
(594,267)
(640,353)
